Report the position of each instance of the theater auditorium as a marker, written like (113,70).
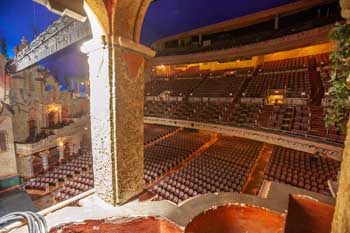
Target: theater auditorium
(230,127)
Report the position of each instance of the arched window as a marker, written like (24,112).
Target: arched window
(3,142)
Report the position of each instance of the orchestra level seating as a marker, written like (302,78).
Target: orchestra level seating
(223,167)
(301,169)
(184,163)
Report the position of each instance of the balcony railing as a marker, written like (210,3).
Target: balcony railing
(18,224)
(78,125)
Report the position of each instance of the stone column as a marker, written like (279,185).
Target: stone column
(70,149)
(74,144)
(60,149)
(116,101)
(30,165)
(45,159)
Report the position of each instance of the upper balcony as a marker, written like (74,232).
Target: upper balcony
(78,124)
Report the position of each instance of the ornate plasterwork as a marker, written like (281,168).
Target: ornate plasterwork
(62,33)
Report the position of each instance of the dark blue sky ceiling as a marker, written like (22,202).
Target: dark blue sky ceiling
(168,17)
(164,17)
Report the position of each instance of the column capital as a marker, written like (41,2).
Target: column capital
(60,148)
(44,153)
(132,46)
(116,41)
(30,158)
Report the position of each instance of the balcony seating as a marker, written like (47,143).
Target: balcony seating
(301,119)
(244,114)
(295,83)
(175,86)
(298,119)
(223,167)
(286,64)
(322,59)
(220,87)
(156,108)
(317,124)
(301,169)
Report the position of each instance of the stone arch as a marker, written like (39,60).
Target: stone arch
(116,66)
(128,18)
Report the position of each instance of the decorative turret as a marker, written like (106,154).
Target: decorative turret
(21,46)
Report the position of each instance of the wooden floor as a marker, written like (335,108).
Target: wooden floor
(252,186)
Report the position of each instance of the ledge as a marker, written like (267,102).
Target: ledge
(288,42)
(94,208)
(296,143)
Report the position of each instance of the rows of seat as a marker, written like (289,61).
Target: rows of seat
(61,173)
(154,108)
(298,119)
(174,86)
(223,167)
(170,152)
(296,84)
(37,185)
(243,114)
(75,186)
(317,124)
(301,169)
(286,64)
(154,132)
(290,75)
(229,86)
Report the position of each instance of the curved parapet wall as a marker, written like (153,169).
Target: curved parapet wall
(298,40)
(137,225)
(95,214)
(237,219)
(296,143)
(170,215)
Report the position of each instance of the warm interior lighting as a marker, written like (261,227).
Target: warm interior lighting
(275,99)
(53,108)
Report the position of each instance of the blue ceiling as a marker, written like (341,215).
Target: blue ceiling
(164,17)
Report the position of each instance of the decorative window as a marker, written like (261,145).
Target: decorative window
(3,141)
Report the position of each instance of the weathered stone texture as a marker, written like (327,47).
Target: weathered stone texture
(129,122)
(8,165)
(341,219)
